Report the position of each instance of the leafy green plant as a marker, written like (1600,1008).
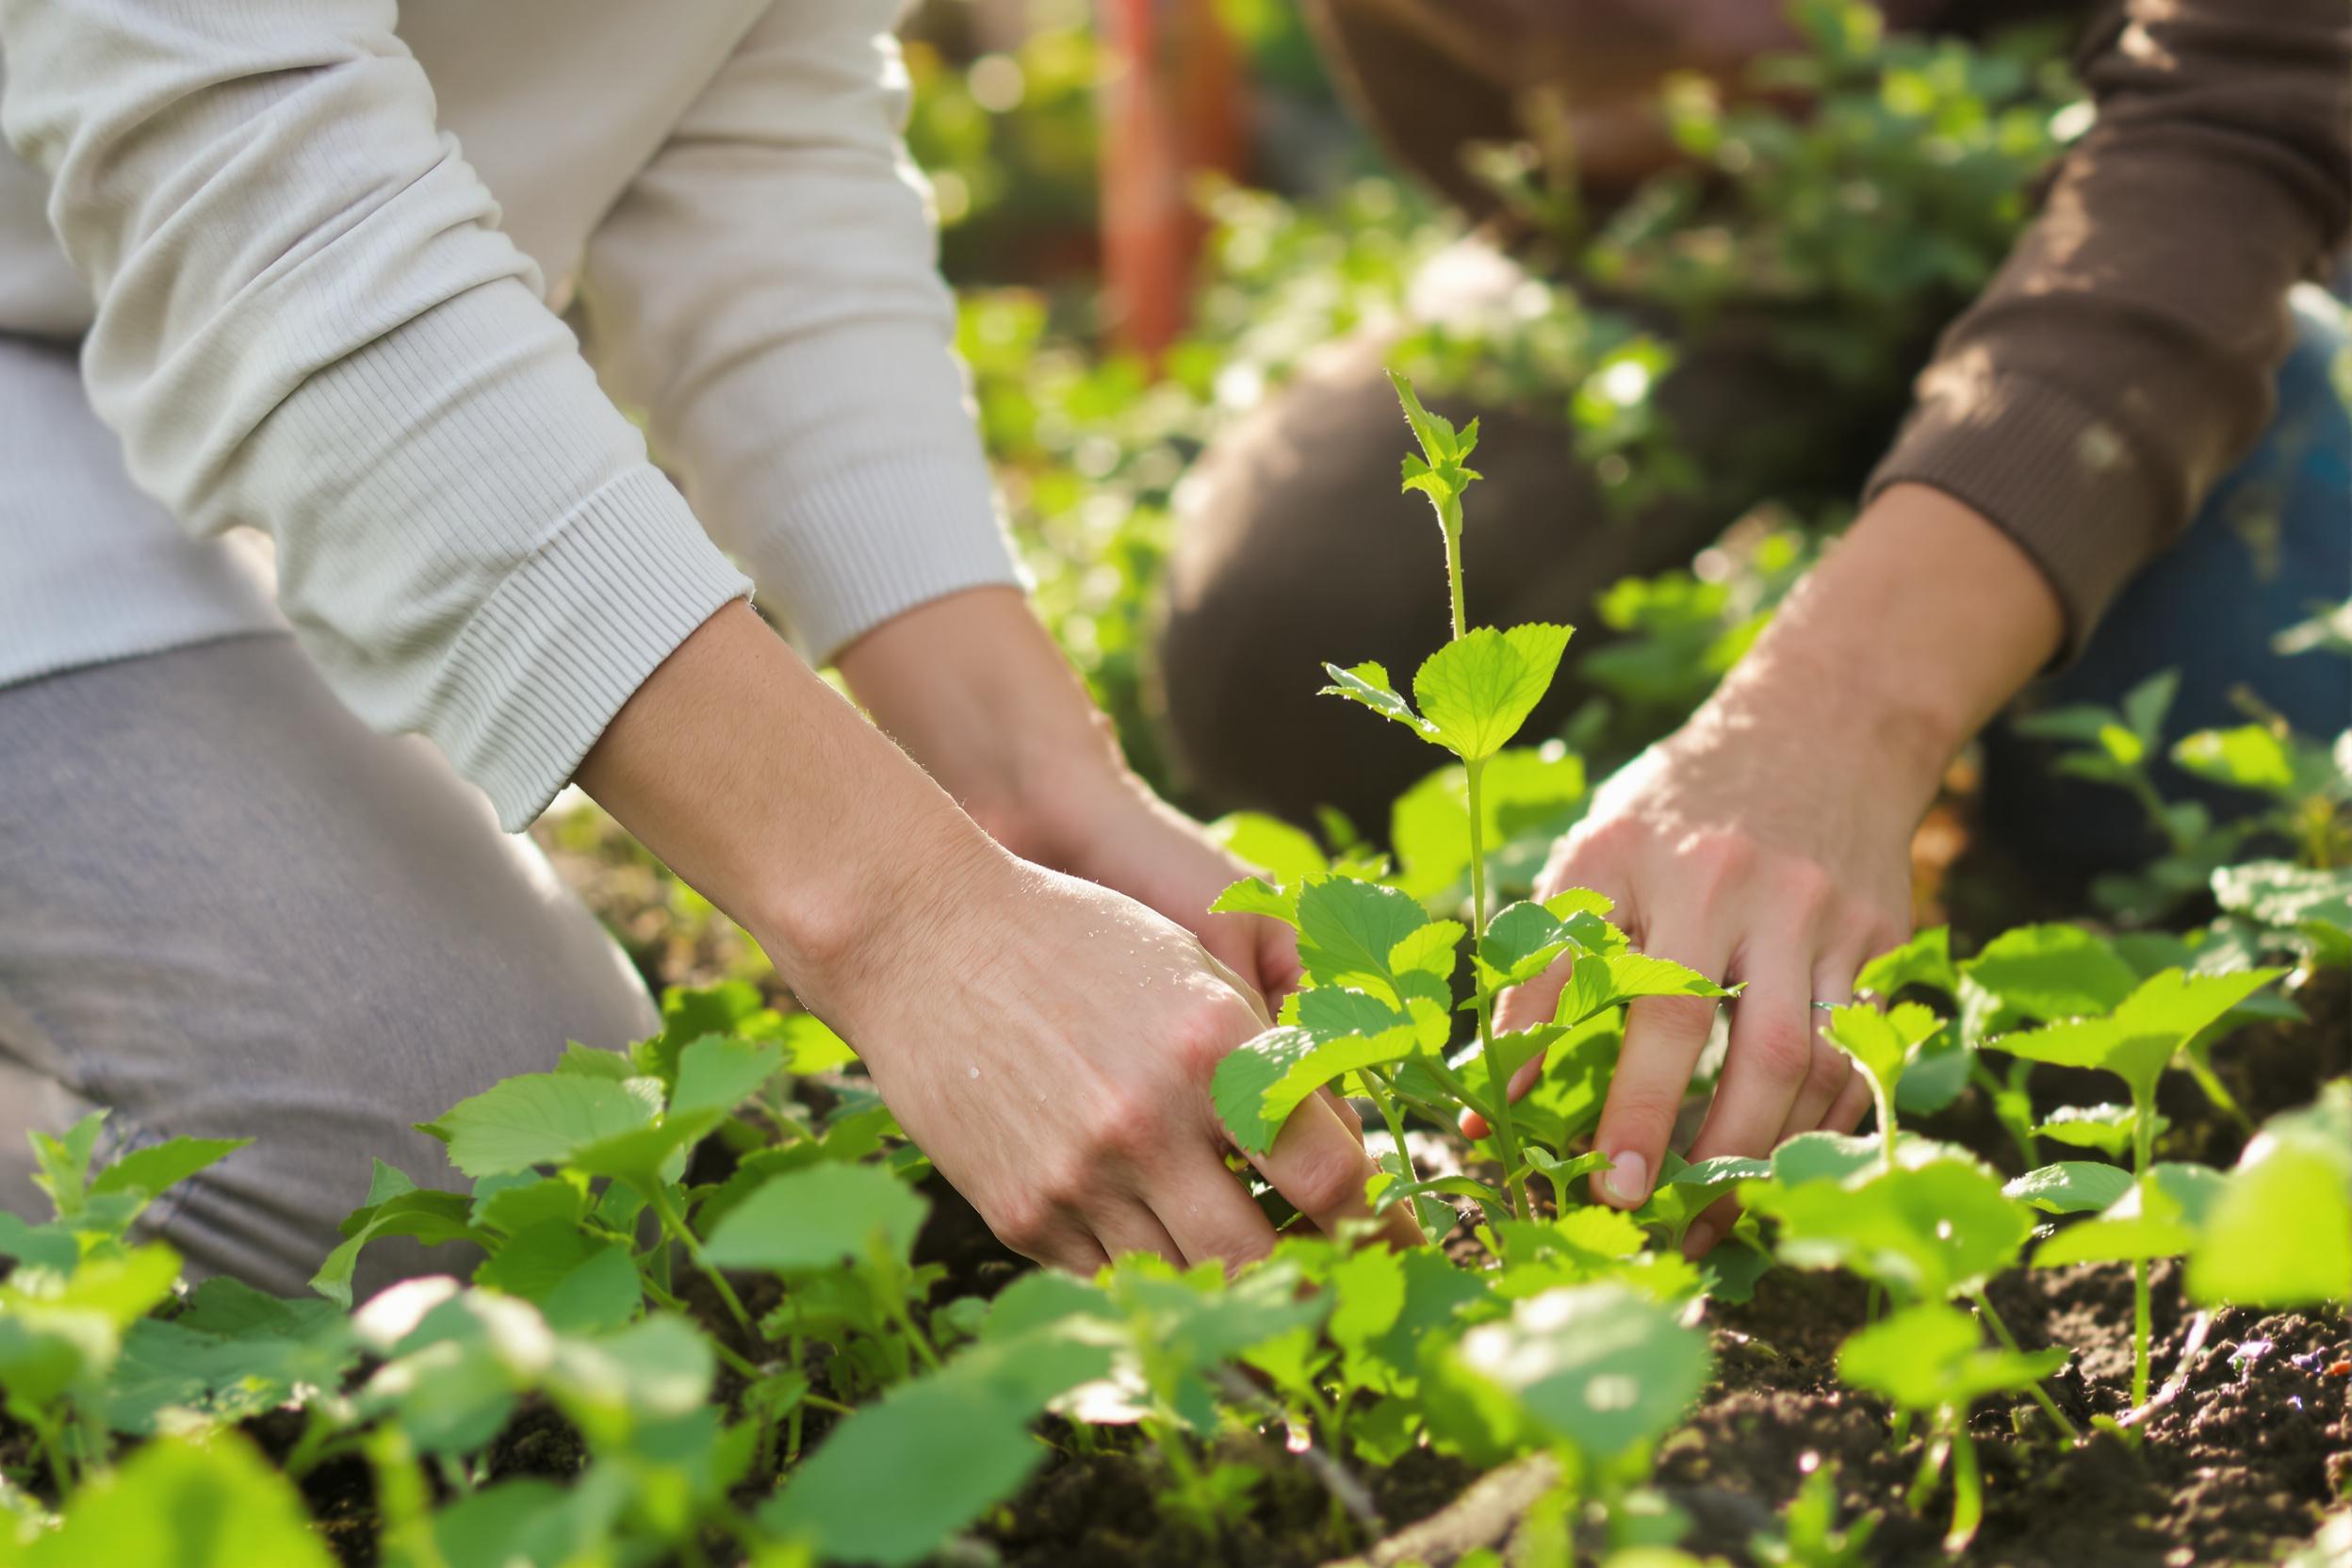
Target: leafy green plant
(1379,998)
(2136,1041)
(2303,788)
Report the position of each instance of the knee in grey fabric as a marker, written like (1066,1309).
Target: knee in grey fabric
(228,910)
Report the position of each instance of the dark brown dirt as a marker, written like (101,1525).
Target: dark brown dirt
(2246,1459)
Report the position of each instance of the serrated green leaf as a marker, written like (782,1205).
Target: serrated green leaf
(2071,1187)
(165,1164)
(2048,972)
(579,1284)
(1931,1355)
(1930,1231)
(1368,684)
(716,1073)
(1924,960)
(2140,1037)
(819,1218)
(1882,1044)
(1254,895)
(1597,1366)
(1478,690)
(541,1119)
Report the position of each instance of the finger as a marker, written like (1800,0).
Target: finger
(1348,1116)
(1123,1226)
(1064,1244)
(1279,969)
(1322,1170)
(1523,1006)
(1664,1036)
(1769,1059)
(1846,1112)
(1831,1068)
(1232,946)
(1208,1214)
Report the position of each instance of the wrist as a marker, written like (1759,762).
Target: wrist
(1915,629)
(975,690)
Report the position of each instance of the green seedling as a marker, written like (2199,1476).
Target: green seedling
(1378,1008)
(1930,1360)
(2280,1231)
(1596,1372)
(2136,1041)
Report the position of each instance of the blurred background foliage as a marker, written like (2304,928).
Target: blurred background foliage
(1844,204)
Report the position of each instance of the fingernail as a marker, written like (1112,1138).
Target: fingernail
(1629,1179)
(1698,1240)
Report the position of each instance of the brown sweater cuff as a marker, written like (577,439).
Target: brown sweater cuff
(2048,472)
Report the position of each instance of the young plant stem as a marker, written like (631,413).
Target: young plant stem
(1967,1487)
(793,1424)
(2143,1311)
(665,1209)
(1454,1086)
(2020,1134)
(1499,1083)
(1931,1467)
(1885,1103)
(2041,1395)
(894,1303)
(1378,1088)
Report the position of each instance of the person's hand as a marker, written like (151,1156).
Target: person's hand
(976,692)
(1050,1044)
(1766,843)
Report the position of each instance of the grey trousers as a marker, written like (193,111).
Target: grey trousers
(228,910)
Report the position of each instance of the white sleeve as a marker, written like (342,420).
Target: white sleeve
(307,319)
(768,289)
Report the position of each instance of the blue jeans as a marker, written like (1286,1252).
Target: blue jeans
(2272,545)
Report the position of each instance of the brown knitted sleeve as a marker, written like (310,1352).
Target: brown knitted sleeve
(2122,359)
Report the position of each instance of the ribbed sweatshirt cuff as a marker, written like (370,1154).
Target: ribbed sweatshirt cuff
(547,659)
(2051,473)
(874,541)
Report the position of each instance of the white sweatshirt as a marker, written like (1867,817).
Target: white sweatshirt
(315,251)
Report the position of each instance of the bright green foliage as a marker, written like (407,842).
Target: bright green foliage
(1883,1045)
(2156,1215)
(2107,1128)
(2315,905)
(1478,690)
(1928,1232)
(1931,1359)
(1597,1367)
(1932,1355)
(2138,1039)
(2071,1186)
(823,1216)
(2280,1231)
(193,1502)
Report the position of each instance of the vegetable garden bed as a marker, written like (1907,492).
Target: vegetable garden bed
(717,1310)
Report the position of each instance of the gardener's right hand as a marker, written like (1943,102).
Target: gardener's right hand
(1049,1043)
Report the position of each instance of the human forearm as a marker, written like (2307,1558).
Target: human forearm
(973,687)
(1913,631)
(976,692)
(759,785)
